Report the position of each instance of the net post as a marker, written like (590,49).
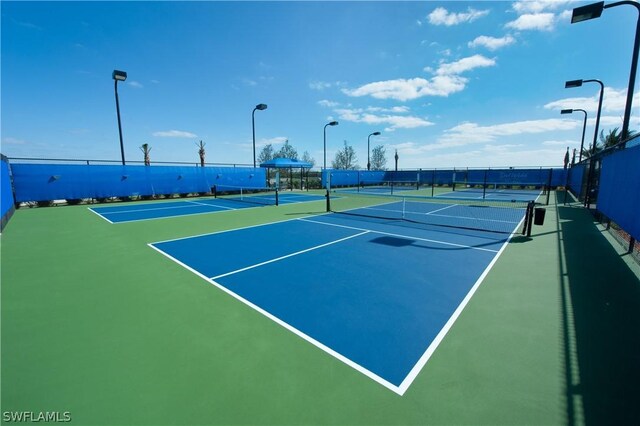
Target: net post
(567,179)
(433,182)
(484,186)
(214,189)
(328,201)
(530,223)
(549,186)
(276,196)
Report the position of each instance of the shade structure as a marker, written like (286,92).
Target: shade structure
(286,163)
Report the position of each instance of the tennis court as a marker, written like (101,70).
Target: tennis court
(141,211)
(291,315)
(320,278)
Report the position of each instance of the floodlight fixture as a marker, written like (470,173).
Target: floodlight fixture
(572,83)
(260,107)
(331,123)
(584,127)
(584,13)
(594,10)
(119,76)
(368,139)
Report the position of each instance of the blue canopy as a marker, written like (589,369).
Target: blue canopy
(285,163)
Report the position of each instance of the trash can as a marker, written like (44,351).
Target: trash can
(538,216)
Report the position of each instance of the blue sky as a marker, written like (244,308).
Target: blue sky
(464,84)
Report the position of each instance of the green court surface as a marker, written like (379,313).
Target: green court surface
(97,324)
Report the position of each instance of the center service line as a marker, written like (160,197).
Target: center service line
(288,255)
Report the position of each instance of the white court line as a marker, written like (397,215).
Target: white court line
(141,210)
(290,328)
(444,208)
(443,332)
(210,205)
(408,237)
(93,211)
(475,218)
(406,383)
(288,255)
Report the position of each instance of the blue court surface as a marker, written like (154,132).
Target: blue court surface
(376,294)
(132,212)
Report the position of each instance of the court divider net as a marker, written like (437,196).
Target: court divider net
(499,216)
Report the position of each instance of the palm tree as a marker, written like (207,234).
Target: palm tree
(606,141)
(146,149)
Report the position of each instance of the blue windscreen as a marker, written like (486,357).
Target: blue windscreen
(6,193)
(619,197)
(41,182)
(576,176)
(539,176)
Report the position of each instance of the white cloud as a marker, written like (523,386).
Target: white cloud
(174,134)
(416,155)
(533,21)
(492,43)
(393,121)
(328,104)
(135,84)
(464,65)
(322,85)
(441,16)
(614,101)
(469,133)
(407,89)
(395,109)
(537,6)
(13,141)
(445,82)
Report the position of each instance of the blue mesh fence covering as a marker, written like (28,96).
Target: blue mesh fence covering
(539,176)
(576,178)
(42,182)
(6,193)
(619,194)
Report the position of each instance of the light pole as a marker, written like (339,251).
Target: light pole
(578,83)
(119,76)
(592,11)
(584,127)
(332,123)
(368,139)
(260,107)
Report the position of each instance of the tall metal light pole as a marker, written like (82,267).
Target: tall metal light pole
(368,140)
(584,127)
(594,10)
(332,123)
(119,76)
(578,83)
(260,107)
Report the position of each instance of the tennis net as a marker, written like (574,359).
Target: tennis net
(497,190)
(254,195)
(387,187)
(498,216)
